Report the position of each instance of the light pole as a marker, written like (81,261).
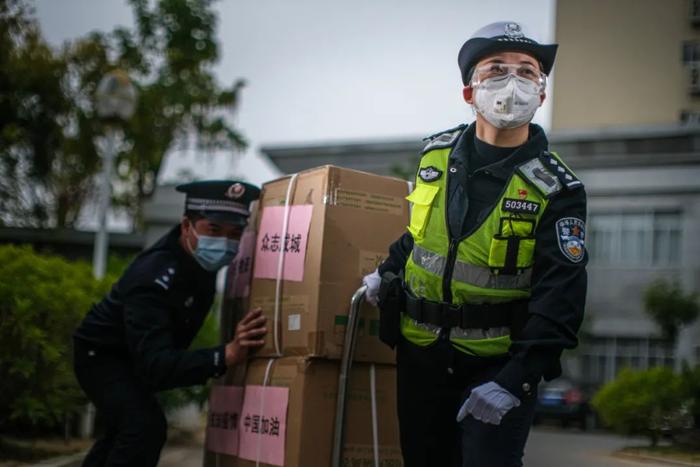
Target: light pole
(115,101)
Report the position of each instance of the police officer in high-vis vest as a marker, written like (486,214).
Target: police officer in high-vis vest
(134,342)
(492,266)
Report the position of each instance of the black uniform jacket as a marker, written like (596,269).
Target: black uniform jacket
(152,314)
(478,174)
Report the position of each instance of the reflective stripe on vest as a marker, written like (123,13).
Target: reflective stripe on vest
(469,273)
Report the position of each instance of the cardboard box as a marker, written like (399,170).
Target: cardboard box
(354,218)
(312,392)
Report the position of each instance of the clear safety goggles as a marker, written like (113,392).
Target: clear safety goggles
(498,71)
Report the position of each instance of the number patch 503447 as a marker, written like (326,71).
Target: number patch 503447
(520,206)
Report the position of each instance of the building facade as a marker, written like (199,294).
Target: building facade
(626,63)
(643,189)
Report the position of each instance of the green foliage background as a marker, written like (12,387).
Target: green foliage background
(643,402)
(42,300)
(49,127)
(670,307)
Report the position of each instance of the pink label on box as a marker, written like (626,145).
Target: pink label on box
(263,424)
(270,243)
(242,266)
(225,404)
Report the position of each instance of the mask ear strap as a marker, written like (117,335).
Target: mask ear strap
(187,239)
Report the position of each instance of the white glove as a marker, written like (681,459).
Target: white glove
(488,403)
(372,281)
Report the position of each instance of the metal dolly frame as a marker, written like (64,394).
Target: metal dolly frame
(345,365)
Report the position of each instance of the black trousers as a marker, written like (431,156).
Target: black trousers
(432,384)
(135,427)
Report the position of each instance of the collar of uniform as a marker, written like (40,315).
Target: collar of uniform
(461,148)
(535,144)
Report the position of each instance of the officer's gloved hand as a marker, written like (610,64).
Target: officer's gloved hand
(372,281)
(488,403)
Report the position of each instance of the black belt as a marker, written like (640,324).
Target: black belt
(467,316)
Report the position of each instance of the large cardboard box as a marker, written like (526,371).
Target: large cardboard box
(312,392)
(354,218)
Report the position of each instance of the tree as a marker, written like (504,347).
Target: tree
(33,107)
(669,307)
(48,123)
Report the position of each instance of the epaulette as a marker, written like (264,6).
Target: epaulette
(565,175)
(549,174)
(157,267)
(443,139)
(165,277)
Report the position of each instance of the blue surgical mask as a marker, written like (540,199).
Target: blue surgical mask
(213,253)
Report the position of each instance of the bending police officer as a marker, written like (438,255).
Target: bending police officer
(134,342)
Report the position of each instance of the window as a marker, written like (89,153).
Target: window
(690,117)
(635,239)
(691,52)
(602,358)
(694,12)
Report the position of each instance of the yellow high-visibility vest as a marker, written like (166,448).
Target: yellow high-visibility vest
(493,264)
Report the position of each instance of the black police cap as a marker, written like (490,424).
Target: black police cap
(225,201)
(503,36)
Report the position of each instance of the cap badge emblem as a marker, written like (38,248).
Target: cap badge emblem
(235,191)
(514,31)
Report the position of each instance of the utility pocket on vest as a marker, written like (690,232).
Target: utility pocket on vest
(422,198)
(513,247)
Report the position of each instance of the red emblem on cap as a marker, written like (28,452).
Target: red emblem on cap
(235,191)
(522,194)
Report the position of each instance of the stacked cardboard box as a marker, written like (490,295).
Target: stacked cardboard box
(355,217)
(335,227)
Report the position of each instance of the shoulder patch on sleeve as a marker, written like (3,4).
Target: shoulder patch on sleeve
(571,236)
(444,139)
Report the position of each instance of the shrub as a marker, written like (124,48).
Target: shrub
(691,386)
(642,402)
(42,299)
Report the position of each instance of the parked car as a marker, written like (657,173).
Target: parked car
(564,401)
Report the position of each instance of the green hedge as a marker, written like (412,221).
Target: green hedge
(42,299)
(647,403)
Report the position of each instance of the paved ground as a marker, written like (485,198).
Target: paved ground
(547,447)
(179,456)
(571,448)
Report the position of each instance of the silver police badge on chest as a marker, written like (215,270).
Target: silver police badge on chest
(429,174)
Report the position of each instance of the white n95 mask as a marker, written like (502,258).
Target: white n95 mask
(508,101)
